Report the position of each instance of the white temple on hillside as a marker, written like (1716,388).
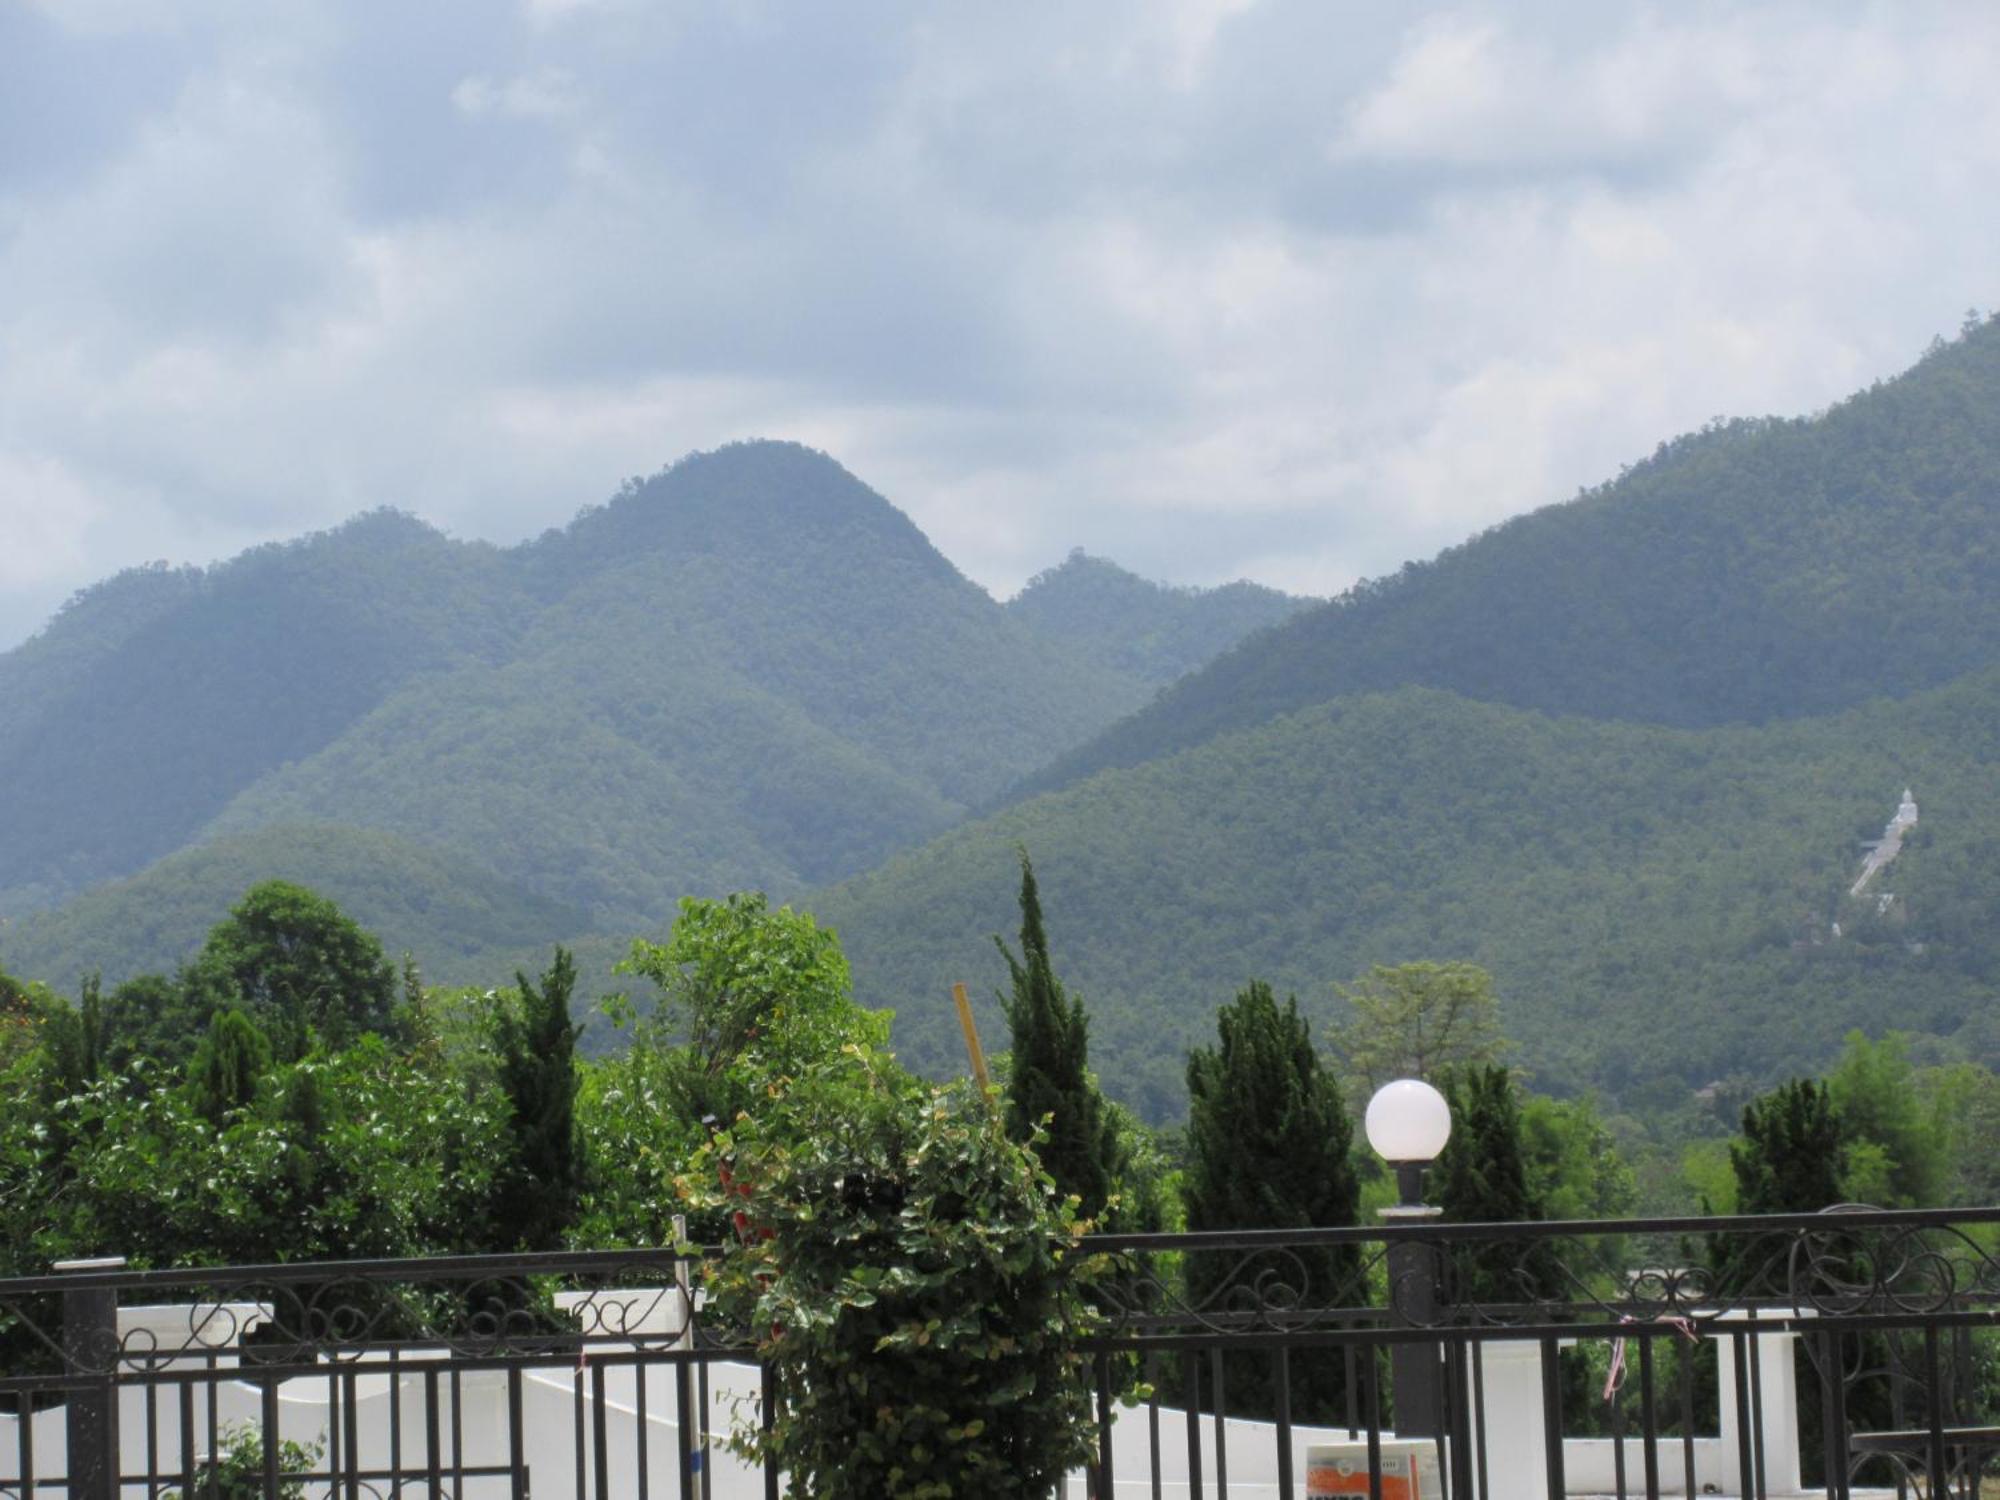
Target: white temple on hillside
(1883,850)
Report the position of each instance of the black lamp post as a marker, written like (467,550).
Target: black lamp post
(1408,1123)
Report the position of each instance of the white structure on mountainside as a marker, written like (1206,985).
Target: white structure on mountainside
(1883,850)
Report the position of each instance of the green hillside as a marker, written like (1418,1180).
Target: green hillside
(1753,571)
(453,918)
(150,703)
(747,670)
(1151,630)
(1655,903)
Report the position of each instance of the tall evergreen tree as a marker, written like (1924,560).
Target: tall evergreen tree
(1481,1177)
(537,1192)
(1268,1143)
(1050,1083)
(227,1066)
(1793,1153)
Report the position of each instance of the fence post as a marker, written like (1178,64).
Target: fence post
(90,1353)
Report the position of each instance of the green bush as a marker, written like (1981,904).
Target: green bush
(917,1286)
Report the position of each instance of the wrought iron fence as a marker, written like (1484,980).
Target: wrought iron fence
(1412,1361)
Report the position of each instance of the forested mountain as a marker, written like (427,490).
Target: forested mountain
(747,670)
(417,900)
(1752,571)
(1152,630)
(1656,904)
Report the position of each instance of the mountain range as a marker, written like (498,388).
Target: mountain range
(1624,751)
(747,670)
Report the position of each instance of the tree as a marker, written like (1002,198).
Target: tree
(1049,1086)
(224,1074)
(1417,1020)
(1481,1177)
(1268,1143)
(296,963)
(1793,1153)
(1896,1147)
(538,1190)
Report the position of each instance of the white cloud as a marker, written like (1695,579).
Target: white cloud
(1284,288)
(547,93)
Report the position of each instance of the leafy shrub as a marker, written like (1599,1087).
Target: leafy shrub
(914,1281)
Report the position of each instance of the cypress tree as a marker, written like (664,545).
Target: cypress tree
(1269,1147)
(1481,1177)
(1050,1082)
(227,1066)
(539,1187)
(1793,1152)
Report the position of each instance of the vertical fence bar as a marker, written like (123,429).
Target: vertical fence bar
(333,1449)
(1479,1416)
(268,1416)
(457,1433)
(1153,1416)
(1192,1415)
(1105,1415)
(1757,1408)
(1933,1371)
(1649,1427)
(396,1423)
(1686,1353)
(1618,1443)
(1350,1390)
(1739,1361)
(1552,1424)
(517,1459)
(1219,1392)
(1284,1394)
(767,1414)
(1373,1391)
(684,1423)
(433,1433)
(641,1440)
(579,1438)
(213,1361)
(187,1438)
(152,1431)
(702,1411)
(350,1395)
(1833,1414)
(24,1445)
(600,1436)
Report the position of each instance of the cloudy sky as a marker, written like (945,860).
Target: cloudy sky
(1292,289)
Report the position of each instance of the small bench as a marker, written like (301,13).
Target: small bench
(1910,1447)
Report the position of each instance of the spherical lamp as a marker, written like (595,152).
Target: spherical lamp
(1408,1121)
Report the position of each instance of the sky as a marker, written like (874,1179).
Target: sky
(1286,289)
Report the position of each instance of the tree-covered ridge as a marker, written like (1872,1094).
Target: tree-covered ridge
(1656,904)
(749,669)
(462,921)
(1152,630)
(1755,570)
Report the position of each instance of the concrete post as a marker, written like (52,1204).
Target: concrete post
(90,1355)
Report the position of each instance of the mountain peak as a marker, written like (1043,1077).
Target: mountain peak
(754,496)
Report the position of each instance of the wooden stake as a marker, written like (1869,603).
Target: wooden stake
(977,1057)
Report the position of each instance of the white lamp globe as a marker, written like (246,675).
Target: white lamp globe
(1408,1120)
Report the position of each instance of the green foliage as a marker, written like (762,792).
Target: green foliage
(1051,1096)
(1573,1167)
(300,966)
(227,1067)
(1793,1155)
(1655,905)
(238,1473)
(1896,1146)
(1482,1177)
(913,1279)
(1417,1020)
(1269,1146)
(541,1183)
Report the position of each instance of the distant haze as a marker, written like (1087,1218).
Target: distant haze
(1290,290)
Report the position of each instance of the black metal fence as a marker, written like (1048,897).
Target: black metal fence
(1448,1362)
